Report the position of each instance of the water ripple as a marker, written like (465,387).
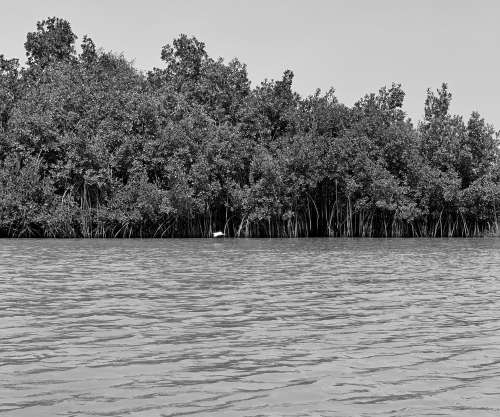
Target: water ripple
(306,327)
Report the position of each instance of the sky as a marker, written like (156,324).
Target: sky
(354,46)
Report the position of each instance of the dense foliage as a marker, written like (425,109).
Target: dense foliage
(91,147)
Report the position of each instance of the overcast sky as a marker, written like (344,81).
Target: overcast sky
(354,46)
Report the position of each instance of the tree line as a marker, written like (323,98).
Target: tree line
(92,147)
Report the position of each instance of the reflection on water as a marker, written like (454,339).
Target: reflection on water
(310,327)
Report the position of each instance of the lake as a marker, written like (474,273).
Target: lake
(299,327)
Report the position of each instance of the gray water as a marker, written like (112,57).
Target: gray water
(310,327)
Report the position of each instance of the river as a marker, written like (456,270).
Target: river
(299,327)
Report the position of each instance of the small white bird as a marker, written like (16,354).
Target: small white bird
(218,234)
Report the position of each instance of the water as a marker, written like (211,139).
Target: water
(311,327)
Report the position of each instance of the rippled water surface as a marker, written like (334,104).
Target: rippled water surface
(311,327)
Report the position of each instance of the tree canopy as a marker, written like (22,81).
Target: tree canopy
(91,147)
